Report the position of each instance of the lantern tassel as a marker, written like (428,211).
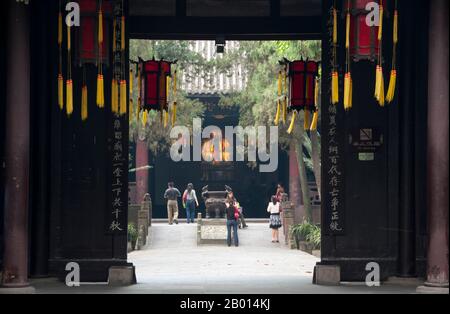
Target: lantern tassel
(292,126)
(348,91)
(122,42)
(307,122)
(315,121)
(100,27)
(123,97)
(335,25)
(61,91)
(114,97)
(335,88)
(100,91)
(392,85)
(277,117)
(174,114)
(166,118)
(84,103)
(69,95)
(144,118)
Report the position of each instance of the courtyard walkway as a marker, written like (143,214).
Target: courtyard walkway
(172,263)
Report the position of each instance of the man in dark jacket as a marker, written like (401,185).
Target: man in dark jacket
(172,195)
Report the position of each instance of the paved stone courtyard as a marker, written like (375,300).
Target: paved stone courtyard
(172,263)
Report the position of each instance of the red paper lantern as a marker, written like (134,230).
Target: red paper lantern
(88,51)
(302,77)
(154,76)
(364,44)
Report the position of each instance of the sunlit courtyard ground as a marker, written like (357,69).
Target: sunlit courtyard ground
(172,263)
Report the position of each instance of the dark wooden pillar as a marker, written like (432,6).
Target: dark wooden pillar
(407,86)
(437,273)
(142,173)
(17,145)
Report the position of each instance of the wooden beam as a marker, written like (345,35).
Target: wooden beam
(181,8)
(233,28)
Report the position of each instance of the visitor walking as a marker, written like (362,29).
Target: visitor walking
(280,192)
(171,195)
(241,221)
(190,202)
(232,220)
(275,219)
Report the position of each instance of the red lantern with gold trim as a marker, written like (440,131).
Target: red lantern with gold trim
(364,44)
(302,77)
(154,79)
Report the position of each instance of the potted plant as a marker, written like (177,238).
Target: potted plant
(315,239)
(300,233)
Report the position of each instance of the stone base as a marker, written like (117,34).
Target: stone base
(212,231)
(122,276)
(432,290)
(17,291)
(327,275)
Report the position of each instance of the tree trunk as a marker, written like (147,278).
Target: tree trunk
(303,180)
(317,163)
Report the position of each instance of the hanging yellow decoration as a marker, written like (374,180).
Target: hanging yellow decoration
(307,122)
(348,90)
(335,74)
(278,114)
(292,126)
(69,83)
(61,91)
(114,97)
(280,93)
(285,100)
(393,78)
(144,118)
(379,77)
(123,97)
(166,118)
(84,103)
(60,75)
(175,104)
(100,78)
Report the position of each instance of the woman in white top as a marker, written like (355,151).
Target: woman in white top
(190,202)
(274,209)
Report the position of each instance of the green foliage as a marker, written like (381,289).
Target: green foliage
(132,233)
(309,233)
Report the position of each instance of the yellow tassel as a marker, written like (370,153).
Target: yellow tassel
(61,91)
(317,94)
(335,25)
(392,86)
(100,27)
(84,103)
(114,97)
(69,95)
(144,118)
(292,126)
(131,83)
(307,122)
(100,91)
(280,84)
(122,41)
(315,121)
(335,88)
(347,91)
(380,29)
(277,117)
(174,114)
(381,101)
(60,29)
(166,118)
(378,82)
(123,97)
